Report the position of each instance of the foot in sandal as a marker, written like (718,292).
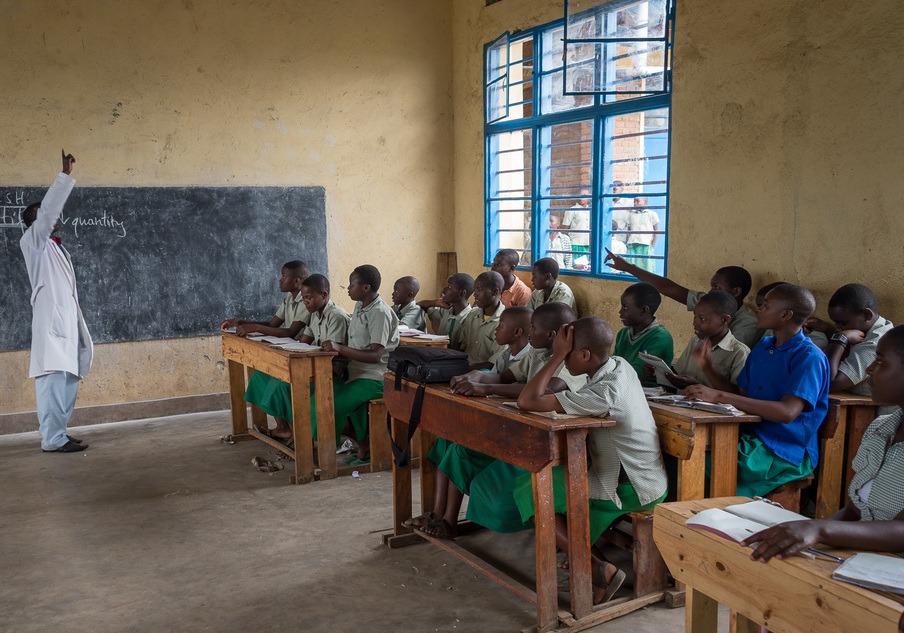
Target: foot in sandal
(607,580)
(440,528)
(420,521)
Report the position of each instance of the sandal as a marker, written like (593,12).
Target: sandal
(438,528)
(612,586)
(420,521)
(265,432)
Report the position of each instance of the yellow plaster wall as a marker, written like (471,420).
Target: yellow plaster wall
(353,95)
(786,149)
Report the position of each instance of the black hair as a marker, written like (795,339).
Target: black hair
(853,298)
(737,277)
(492,279)
(522,314)
(798,299)
(720,301)
(547,266)
(552,316)
(369,275)
(645,295)
(463,281)
(30,214)
(509,255)
(762,292)
(594,334)
(317,283)
(410,282)
(894,339)
(297,267)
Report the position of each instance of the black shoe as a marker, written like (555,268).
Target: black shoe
(73,439)
(69,447)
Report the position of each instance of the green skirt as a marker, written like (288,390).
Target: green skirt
(274,397)
(641,249)
(760,471)
(602,512)
(491,501)
(461,465)
(438,450)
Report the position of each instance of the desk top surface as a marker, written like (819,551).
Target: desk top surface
(850,399)
(495,406)
(244,344)
(661,411)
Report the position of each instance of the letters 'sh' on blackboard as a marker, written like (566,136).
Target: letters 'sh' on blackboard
(166,262)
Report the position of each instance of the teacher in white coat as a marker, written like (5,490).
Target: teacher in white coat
(61,347)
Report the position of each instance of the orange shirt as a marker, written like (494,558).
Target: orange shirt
(517,295)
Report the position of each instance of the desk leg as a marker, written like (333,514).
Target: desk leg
(300,386)
(579,568)
(831,468)
(237,398)
(724,457)
(428,470)
(692,471)
(545,528)
(401,484)
(326,413)
(701,614)
(738,623)
(858,418)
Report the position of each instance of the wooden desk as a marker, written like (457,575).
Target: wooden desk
(423,342)
(299,369)
(534,443)
(797,594)
(689,432)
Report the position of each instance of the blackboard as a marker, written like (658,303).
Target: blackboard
(166,262)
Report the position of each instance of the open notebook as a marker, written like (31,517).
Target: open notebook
(873,571)
(739,521)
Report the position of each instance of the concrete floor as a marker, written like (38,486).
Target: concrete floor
(160,527)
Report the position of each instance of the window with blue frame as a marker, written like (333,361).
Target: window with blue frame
(577,137)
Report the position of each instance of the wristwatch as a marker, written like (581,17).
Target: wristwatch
(838,337)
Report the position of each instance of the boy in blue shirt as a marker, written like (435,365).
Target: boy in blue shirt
(785,381)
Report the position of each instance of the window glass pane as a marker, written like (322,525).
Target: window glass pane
(497,79)
(566,174)
(510,165)
(634,204)
(552,94)
(514,218)
(520,79)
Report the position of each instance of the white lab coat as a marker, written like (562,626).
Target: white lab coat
(59,336)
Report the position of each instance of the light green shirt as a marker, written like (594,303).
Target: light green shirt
(729,356)
(743,323)
(375,323)
(505,359)
(411,315)
(332,325)
(449,322)
(529,365)
(292,309)
(862,355)
(560,293)
(633,443)
(477,335)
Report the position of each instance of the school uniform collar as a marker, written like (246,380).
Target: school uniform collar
(729,342)
(887,429)
(369,306)
(652,326)
(404,306)
(792,343)
(294,299)
(601,373)
(878,323)
(493,317)
(527,349)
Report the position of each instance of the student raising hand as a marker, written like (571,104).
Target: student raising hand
(68,160)
(618,263)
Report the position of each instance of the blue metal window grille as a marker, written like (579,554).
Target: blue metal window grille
(571,175)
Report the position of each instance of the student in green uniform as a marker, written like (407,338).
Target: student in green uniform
(327,322)
(488,481)
(476,334)
(873,518)
(372,333)
(626,472)
(547,287)
(732,279)
(410,314)
(714,357)
(452,306)
(642,331)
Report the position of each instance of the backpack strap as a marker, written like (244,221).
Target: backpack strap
(401,454)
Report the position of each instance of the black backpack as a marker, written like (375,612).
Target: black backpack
(423,365)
